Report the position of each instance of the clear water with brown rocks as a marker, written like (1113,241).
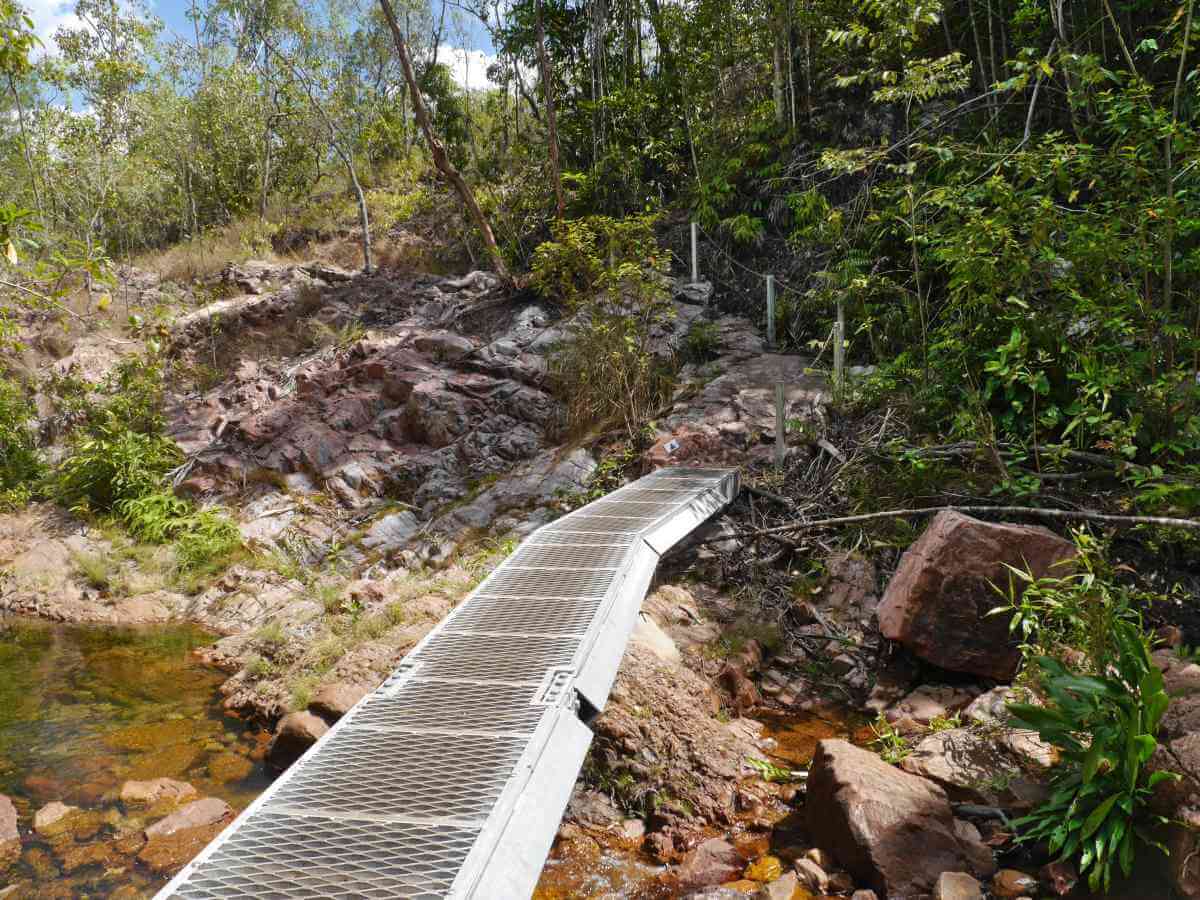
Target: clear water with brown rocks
(82,711)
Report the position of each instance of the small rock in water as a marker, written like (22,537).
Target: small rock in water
(295,733)
(633,829)
(333,701)
(1010,883)
(957,886)
(765,868)
(785,888)
(155,791)
(10,837)
(196,814)
(1060,877)
(812,877)
(713,862)
(53,818)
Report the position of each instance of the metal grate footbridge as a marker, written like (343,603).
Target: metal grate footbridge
(450,779)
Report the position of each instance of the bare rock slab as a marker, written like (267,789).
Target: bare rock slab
(937,602)
(891,830)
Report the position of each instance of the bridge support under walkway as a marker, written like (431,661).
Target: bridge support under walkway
(450,779)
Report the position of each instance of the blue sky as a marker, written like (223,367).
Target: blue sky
(468,58)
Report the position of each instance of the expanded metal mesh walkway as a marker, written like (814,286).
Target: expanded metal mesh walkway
(450,779)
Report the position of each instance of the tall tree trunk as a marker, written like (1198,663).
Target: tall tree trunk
(551,116)
(438,151)
(33,182)
(343,154)
(1169,241)
(777,51)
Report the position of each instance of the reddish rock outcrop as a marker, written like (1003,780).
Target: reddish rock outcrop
(889,829)
(938,600)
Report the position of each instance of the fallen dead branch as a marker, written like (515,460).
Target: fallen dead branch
(1034,512)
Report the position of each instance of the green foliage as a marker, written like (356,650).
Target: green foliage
(1105,728)
(1075,609)
(889,743)
(201,537)
(771,772)
(19,461)
(701,342)
(609,274)
(1101,712)
(108,467)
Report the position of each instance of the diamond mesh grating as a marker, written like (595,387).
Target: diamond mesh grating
(608,523)
(394,802)
(567,557)
(528,615)
(469,774)
(422,705)
(548,582)
(565,534)
(511,658)
(653,509)
(663,494)
(289,857)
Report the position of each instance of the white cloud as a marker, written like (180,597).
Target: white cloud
(468,67)
(48,16)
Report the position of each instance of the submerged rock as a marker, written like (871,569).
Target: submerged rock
(938,601)
(53,819)
(10,837)
(713,862)
(156,791)
(197,814)
(888,828)
(957,886)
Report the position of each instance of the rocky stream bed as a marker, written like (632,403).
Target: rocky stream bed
(376,475)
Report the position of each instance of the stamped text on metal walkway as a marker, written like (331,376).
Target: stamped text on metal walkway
(450,779)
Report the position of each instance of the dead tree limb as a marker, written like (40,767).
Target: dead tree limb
(438,150)
(1082,515)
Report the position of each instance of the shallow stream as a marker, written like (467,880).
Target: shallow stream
(82,710)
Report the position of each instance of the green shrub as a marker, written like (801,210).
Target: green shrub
(701,342)
(156,517)
(207,540)
(1102,713)
(610,274)
(19,462)
(1105,728)
(105,468)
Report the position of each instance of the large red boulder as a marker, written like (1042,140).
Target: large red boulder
(887,828)
(938,601)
